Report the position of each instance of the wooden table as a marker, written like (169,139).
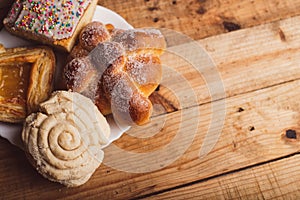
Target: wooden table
(255,46)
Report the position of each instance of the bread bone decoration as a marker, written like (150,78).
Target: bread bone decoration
(53,22)
(117,69)
(63,141)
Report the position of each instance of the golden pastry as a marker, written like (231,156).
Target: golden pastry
(26,79)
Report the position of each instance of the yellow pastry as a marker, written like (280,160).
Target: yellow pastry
(26,79)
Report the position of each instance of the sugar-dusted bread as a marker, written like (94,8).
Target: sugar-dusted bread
(26,79)
(63,141)
(117,69)
(52,22)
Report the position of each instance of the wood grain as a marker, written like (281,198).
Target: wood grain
(251,136)
(270,111)
(259,67)
(246,61)
(202,18)
(275,180)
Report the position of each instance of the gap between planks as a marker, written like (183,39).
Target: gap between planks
(195,189)
(271,111)
(269,35)
(141,184)
(167,193)
(201,19)
(245,61)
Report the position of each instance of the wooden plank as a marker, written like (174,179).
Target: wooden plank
(246,60)
(275,180)
(270,111)
(201,18)
(251,136)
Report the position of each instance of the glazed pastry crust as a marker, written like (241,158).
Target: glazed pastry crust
(40,81)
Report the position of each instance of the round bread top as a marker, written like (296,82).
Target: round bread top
(64,140)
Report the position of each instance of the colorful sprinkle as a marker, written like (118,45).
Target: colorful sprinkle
(53,18)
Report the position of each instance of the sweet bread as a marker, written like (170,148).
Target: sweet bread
(51,22)
(77,52)
(26,79)
(64,139)
(122,69)
(93,34)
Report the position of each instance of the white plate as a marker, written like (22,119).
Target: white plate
(13,132)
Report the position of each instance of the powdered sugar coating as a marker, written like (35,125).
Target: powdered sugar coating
(129,70)
(93,34)
(78,52)
(128,104)
(144,69)
(105,55)
(116,32)
(101,100)
(78,74)
(121,94)
(140,108)
(136,39)
(110,79)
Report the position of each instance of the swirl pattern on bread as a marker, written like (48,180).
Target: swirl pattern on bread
(64,140)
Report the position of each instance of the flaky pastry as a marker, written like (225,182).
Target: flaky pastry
(26,79)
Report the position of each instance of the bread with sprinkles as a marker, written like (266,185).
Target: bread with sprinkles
(53,22)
